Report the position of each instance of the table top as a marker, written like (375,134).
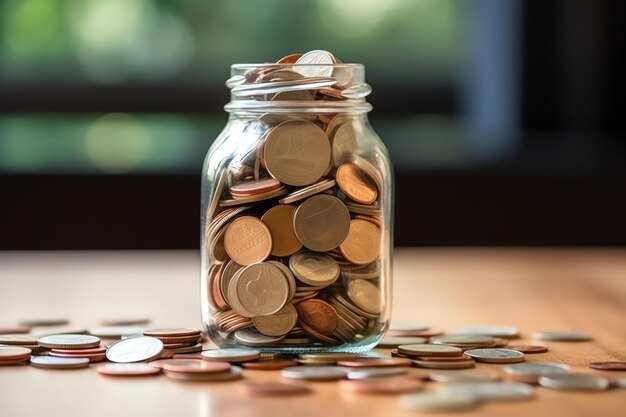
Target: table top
(533,289)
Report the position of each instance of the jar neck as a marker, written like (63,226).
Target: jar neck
(298,88)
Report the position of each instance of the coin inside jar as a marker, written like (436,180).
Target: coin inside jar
(362,245)
(322,222)
(247,240)
(297,152)
(355,184)
(277,324)
(316,269)
(279,219)
(258,290)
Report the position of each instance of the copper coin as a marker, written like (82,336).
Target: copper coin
(392,385)
(318,315)
(279,219)
(127,369)
(289,59)
(297,152)
(529,348)
(43,322)
(249,188)
(362,244)
(609,366)
(318,336)
(376,363)
(344,140)
(322,222)
(167,353)
(355,184)
(14,329)
(159,363)
(270,365)
(92,351)
(197,355)
(173,332)
(248,240)
(194,366)
(269,388)
(179,339)
(307,192)
(14,353)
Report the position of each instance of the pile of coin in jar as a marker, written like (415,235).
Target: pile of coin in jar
(293,233)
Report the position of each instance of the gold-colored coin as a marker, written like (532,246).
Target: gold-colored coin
(297,152)
(248,240)
(322,222)
(362,245)
(355,184)
(260,289)
(278,324)
(315,269)
(365,295)
(429,350)
(279,219)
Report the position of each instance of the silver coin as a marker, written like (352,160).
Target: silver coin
(52,362)
(231,354)
(494,331)
(136,349)
(491,390)
(376,373)
(562,336)
(315,373)
(494,355)
(252,337)
(437,401)
(469,375)
(324,59)
(581,382)
(536,369)
(69,340)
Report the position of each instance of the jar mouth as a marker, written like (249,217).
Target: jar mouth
(307,88)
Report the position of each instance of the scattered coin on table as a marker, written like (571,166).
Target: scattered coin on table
(368,373)
(609,366)
(315,373)
(529,349)
(231,354)
(495,355)
(438,401)
(578,382)
(193,374)
(127,369)
(489,391)
(557,336)
(50,362)
(136,349)
(69,341)
(389,385)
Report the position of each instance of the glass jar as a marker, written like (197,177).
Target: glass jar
(297,211)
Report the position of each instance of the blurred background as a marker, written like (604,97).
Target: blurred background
(503,117)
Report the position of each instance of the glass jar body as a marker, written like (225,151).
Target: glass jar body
(296,233)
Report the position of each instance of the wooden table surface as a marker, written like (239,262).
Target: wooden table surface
(533,289)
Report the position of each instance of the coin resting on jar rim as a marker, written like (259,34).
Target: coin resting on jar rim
(297,207)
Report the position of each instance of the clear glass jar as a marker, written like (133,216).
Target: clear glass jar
(297,211)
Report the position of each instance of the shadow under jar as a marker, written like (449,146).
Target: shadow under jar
(297,211)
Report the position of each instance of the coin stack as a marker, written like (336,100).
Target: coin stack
(177,340)
(293,231)
(74,346)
